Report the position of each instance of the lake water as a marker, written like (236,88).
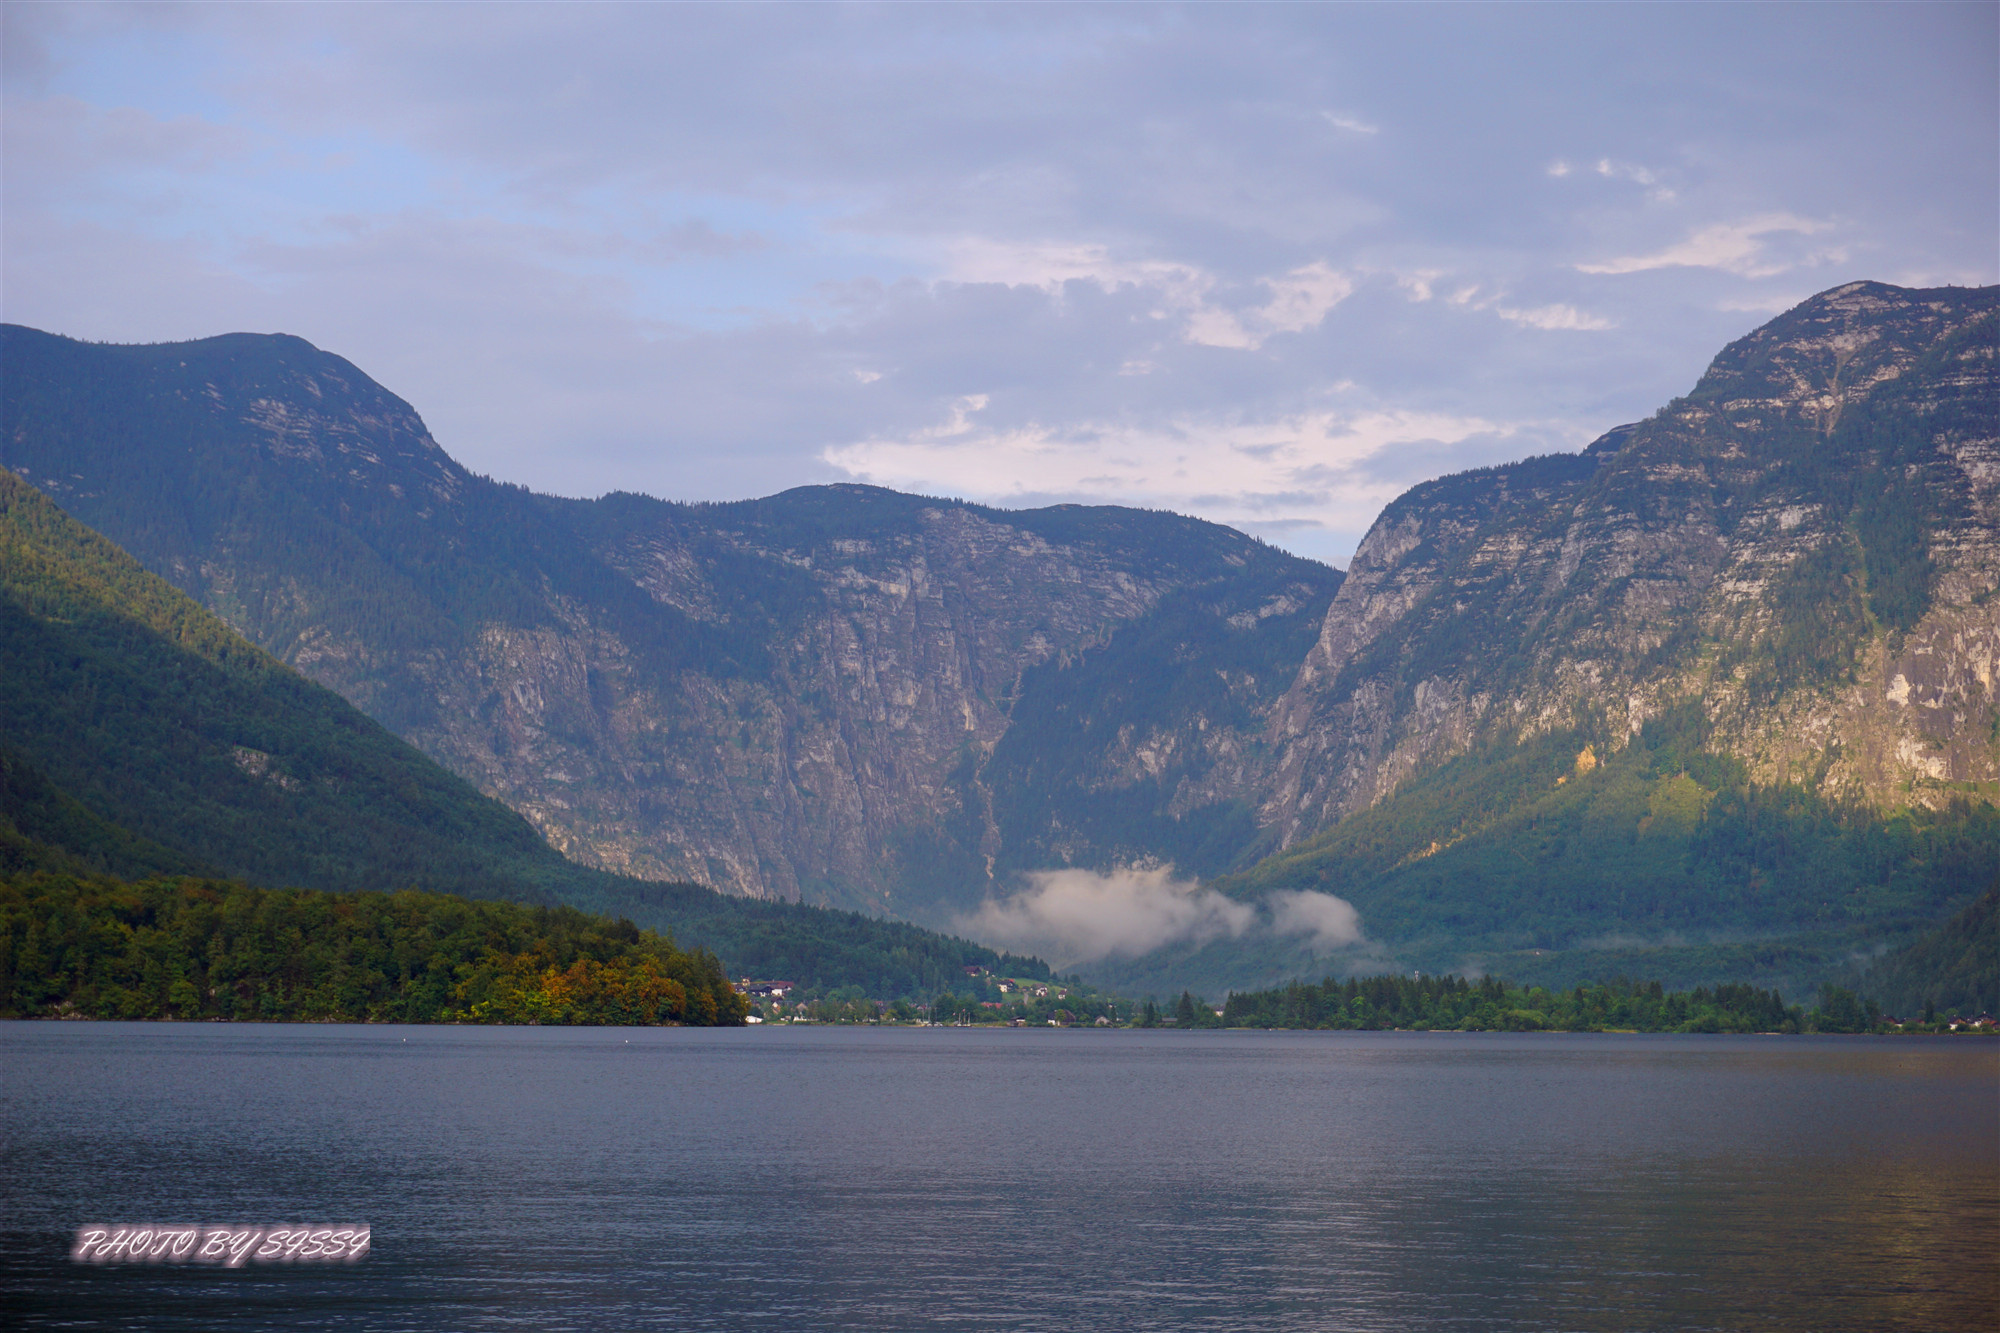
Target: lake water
(882,1179)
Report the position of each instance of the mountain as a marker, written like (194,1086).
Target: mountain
(840,694)
(141,737)
(1805,546)
(122,694)
(1713,699)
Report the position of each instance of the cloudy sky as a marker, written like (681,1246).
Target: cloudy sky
(1268,265)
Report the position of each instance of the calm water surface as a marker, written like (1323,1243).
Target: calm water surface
(802,1179)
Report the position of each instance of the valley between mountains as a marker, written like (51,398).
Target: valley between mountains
(1712,700)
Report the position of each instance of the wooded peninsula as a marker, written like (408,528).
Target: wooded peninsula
(186,948)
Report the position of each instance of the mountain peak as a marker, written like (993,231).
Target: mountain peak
(1817,520)
(273,396)
(1808,364)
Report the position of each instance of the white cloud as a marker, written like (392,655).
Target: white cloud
(1078,916)
(1733,247)
(1350,124)
(1075,915)
(1418,283)
(1610,169)
(1312,466)
(1625,171)
(1331,922)
(1211,326)
(1553,317)
(959,423)
(1299,299)
(1050,264)
(1638,175)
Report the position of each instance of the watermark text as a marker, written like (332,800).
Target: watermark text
(229,1246)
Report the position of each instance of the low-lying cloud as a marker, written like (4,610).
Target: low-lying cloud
(1330,922)
(1079,916)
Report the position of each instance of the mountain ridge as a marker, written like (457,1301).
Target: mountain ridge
(1762,618)
(142,739)
(798,696)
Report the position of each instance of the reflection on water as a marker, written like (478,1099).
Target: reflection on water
(904,1179)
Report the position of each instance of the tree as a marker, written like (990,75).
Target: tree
(1184,1011)
(1841,1010)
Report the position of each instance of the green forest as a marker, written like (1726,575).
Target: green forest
(1954,969)
(1407,1003)
(1453,1003)
(187,948)
(1563,858)
(1492,1005)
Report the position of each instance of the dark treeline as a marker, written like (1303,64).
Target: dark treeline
(1493,1005)
(188,948)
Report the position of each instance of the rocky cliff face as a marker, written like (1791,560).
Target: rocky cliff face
(1806,549)
(804,697)
(871,721)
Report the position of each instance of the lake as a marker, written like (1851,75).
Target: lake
(862,1178)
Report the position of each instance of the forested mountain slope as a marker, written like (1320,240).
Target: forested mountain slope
(140,736)
(1953,970)
(150,712)
(811,696)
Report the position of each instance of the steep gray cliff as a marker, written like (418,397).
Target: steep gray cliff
(1806,548)
(870,722)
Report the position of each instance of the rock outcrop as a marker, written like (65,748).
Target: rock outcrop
(1806,548)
